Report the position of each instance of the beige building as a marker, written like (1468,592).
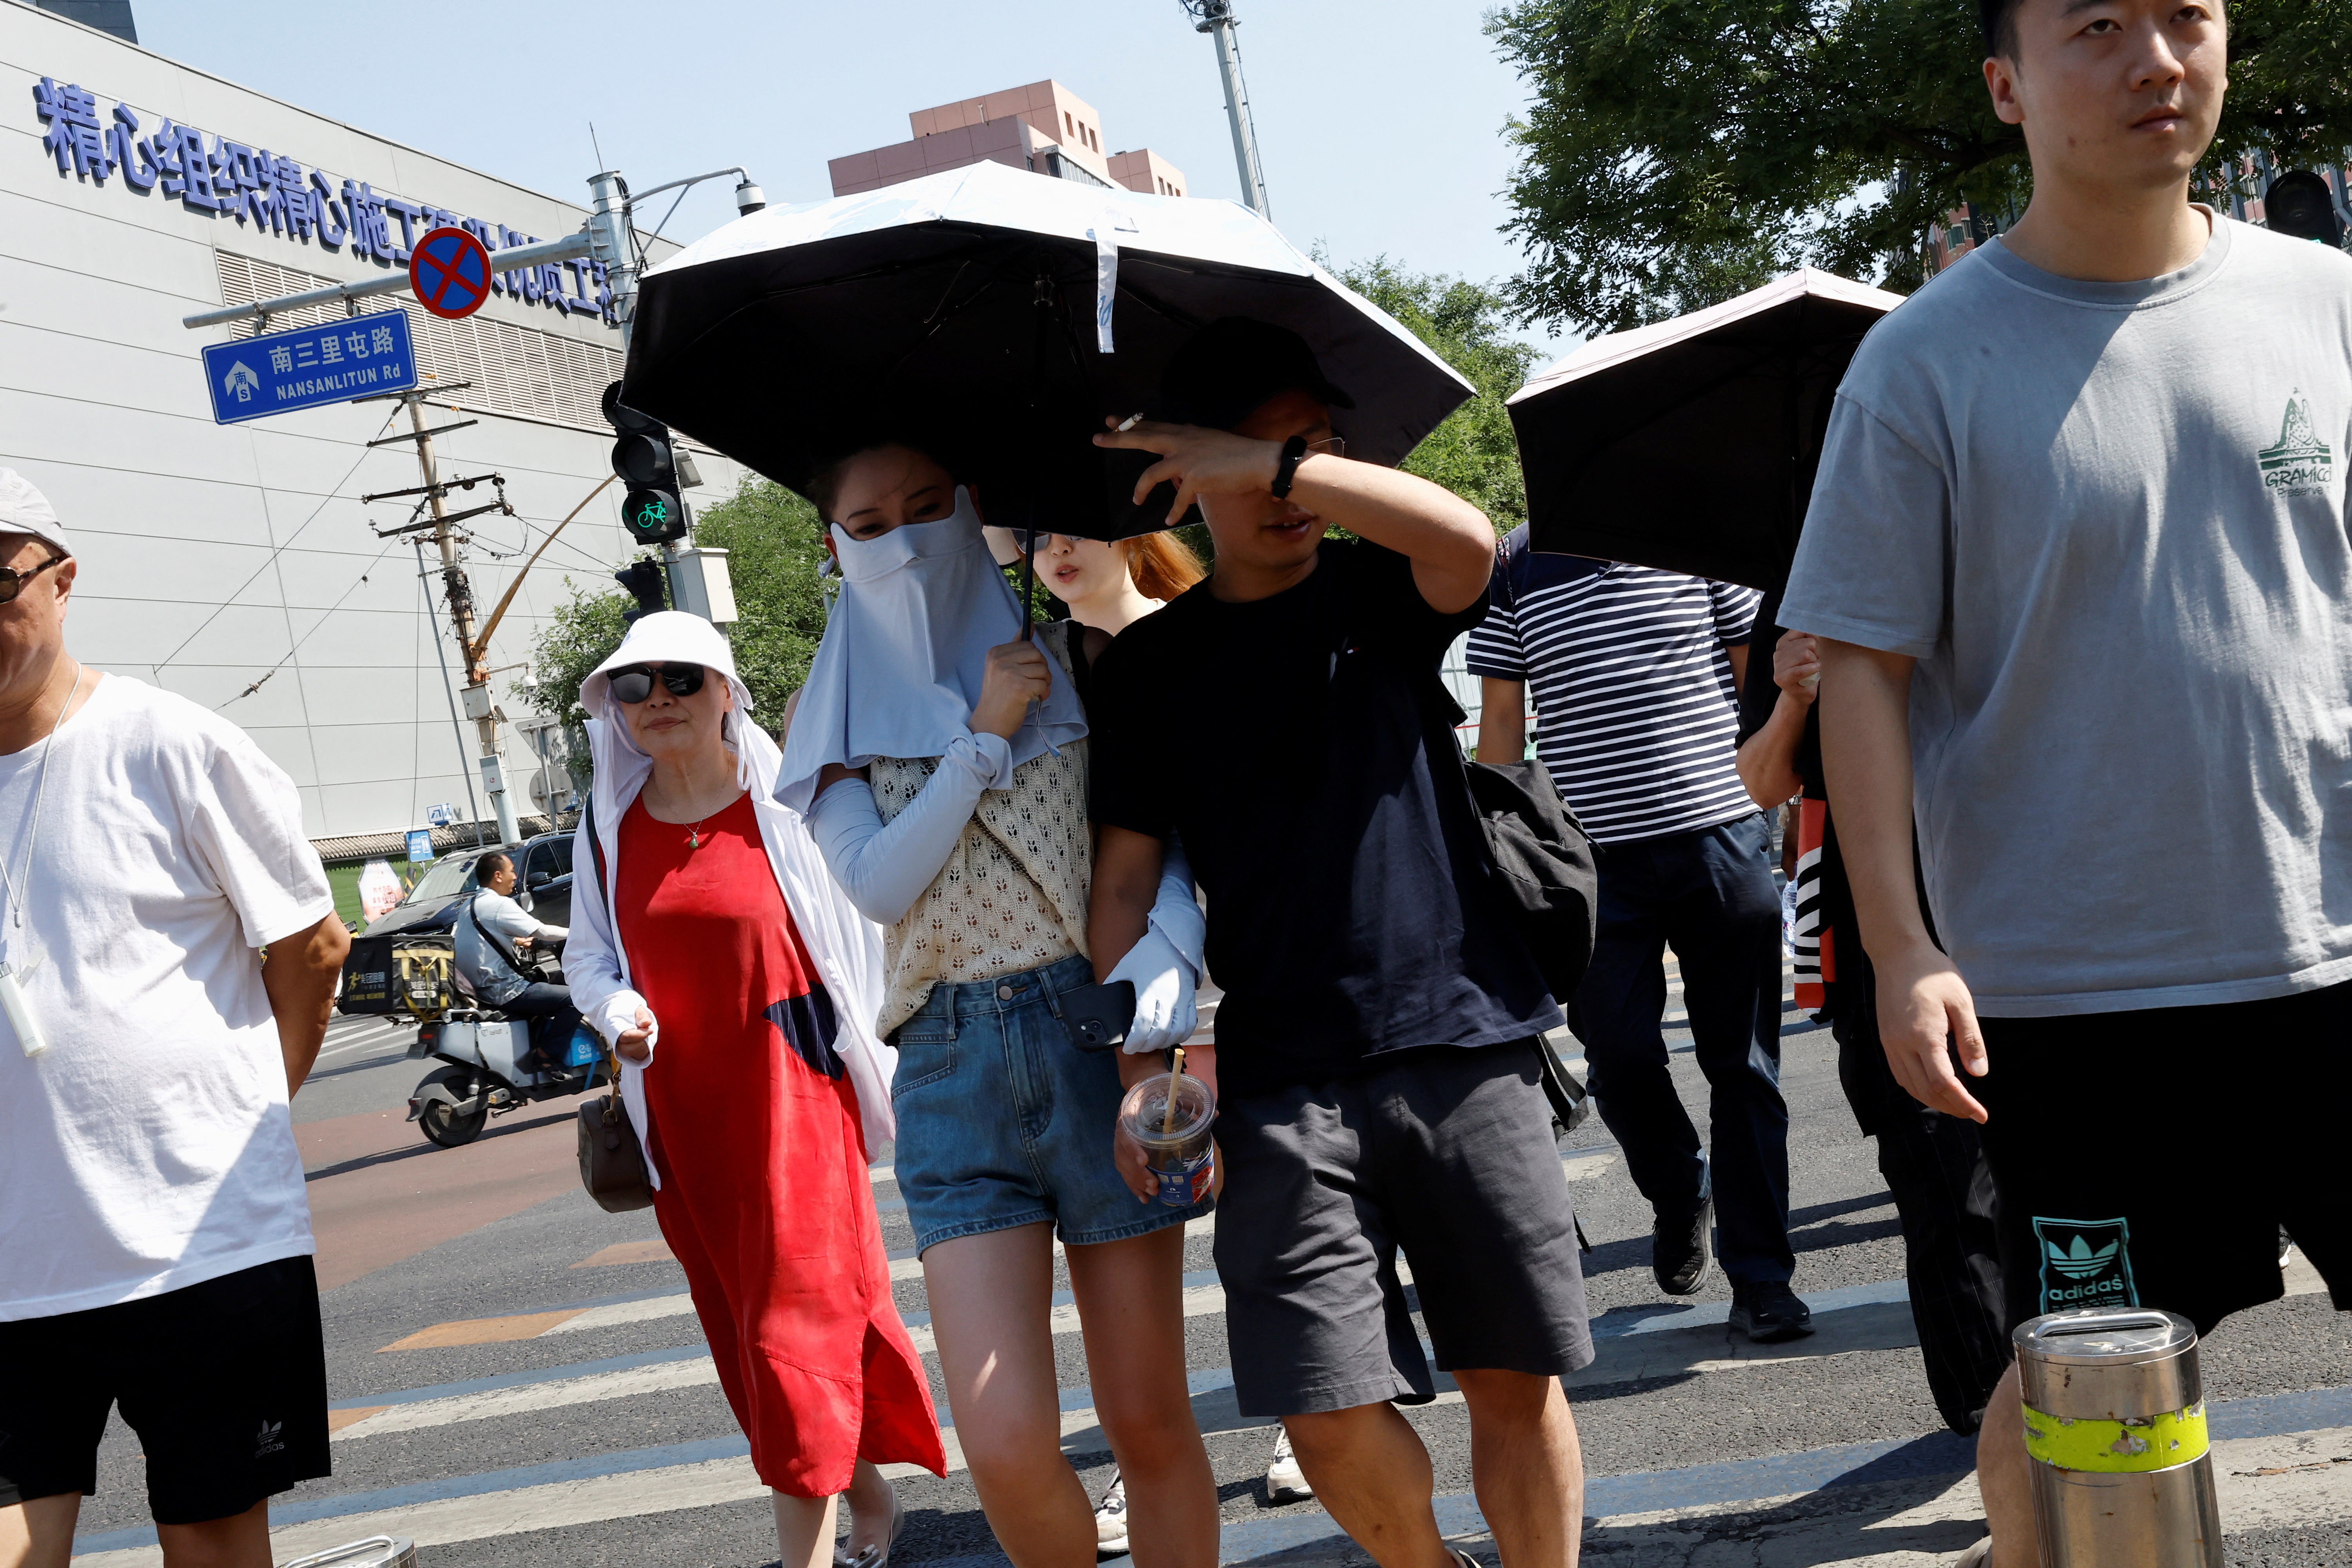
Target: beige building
(1044,128)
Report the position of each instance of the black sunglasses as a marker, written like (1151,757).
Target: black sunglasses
(12,582)
(635,683)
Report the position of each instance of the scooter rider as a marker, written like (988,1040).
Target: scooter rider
(490,934)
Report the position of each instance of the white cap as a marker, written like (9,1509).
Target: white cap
(24,510)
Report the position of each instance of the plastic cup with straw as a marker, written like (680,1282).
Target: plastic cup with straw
(1169,1118)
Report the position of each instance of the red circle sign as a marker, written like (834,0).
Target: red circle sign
(450,272)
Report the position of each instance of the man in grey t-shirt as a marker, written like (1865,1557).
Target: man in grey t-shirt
(2077,559)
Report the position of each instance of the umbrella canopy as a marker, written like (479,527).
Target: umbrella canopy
(1007,312)
(1690,445)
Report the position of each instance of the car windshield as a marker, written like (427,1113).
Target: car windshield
(445,878)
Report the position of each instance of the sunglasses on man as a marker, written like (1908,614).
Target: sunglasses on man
(633,683)
(12,582)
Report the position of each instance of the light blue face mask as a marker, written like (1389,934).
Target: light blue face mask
(913,544)
(905,653)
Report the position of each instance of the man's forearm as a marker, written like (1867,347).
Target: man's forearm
(1866,756)
(300,974)
(1768,759)
(1502,720)
(1449,542)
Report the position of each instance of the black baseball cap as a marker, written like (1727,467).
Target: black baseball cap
(1232,366)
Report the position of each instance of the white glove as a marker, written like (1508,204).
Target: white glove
(1164,1013)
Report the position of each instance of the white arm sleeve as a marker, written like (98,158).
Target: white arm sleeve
(885,869)
(1176,914)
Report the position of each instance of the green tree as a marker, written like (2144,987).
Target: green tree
(774,548)
(1679,152)
(1473,453)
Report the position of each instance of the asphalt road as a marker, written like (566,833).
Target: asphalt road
(520,1382)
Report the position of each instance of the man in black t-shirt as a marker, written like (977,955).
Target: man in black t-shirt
(1376,1034)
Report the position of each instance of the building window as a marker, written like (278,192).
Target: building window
(1070,127)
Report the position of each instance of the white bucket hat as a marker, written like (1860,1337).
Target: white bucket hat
(24,510)
(670,637)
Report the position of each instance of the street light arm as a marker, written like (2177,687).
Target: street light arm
(479,647)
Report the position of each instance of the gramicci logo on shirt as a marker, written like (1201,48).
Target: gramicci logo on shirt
(2085,1263)
(2301,464)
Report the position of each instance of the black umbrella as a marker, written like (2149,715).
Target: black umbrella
(1006,314)
(1690,445)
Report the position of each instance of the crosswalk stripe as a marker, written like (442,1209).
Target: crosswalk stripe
(2249,1450)
(489,1406)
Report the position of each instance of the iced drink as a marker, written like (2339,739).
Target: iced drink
(1178,1153)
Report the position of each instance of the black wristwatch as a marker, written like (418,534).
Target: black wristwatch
(1286,470)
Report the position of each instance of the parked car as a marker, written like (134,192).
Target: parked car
(542,886)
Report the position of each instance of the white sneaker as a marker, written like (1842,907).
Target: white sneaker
(1110,1520)
(1284,1482)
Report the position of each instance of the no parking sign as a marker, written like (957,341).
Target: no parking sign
(450,272)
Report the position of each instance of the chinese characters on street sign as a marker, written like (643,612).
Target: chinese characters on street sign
(280,372)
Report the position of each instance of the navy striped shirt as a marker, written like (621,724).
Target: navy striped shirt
(1636,715)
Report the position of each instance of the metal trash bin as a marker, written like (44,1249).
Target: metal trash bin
(375,1552)
(2114,1423)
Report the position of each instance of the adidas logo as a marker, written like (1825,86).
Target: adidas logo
(2077,1261)
(268,1442)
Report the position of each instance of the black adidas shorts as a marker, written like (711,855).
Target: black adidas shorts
(225,1381)
(2148,1159)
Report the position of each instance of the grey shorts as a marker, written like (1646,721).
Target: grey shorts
(1446,1152)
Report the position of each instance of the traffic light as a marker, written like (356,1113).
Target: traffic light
(2299,203)
(643,580)
(651,508)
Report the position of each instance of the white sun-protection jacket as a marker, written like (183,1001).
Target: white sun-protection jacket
(845,946)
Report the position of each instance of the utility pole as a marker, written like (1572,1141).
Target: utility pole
(1216,18)
(480,703)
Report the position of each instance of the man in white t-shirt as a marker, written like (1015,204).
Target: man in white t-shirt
(2077,565)
(154,1232)
(493,932)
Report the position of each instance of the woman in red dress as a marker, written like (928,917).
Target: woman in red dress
(713,926)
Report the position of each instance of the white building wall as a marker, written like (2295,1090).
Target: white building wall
(212,556)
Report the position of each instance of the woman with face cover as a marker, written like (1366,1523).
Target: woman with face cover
(739,986)
(942,759)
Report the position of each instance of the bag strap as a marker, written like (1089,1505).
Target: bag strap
(474,913)
(596,868)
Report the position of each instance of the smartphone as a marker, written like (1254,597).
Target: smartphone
(1097,1015)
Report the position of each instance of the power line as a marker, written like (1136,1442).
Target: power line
(275,550)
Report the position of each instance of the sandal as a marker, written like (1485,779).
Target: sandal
(876,1556)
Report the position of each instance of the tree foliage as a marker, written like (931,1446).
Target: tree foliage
(774,548)
(1473,453)
(1679,152)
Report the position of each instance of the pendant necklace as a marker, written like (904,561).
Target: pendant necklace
(694,835)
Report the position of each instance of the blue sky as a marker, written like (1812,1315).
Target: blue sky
(1379,122)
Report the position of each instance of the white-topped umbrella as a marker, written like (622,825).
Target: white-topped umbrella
(1007,312)
(1690,443)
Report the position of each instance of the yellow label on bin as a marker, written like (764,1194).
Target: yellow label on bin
(2116,1448)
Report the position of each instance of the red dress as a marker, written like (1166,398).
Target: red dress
(764,1196)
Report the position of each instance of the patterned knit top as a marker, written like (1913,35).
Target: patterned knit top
(1013,894)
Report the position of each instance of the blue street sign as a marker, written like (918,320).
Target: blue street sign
(278,373)
(441,815)
(420,845)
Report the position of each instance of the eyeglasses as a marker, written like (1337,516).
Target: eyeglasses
(1029,540)
(634,683)
(12,582)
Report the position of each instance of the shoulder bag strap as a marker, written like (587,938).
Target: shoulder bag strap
(474,913)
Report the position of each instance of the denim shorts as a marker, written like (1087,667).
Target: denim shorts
(1003,1122)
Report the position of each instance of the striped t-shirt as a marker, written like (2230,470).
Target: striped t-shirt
(1636,715)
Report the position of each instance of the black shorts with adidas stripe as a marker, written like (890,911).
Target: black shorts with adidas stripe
(225,1381)
(2152,1158)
